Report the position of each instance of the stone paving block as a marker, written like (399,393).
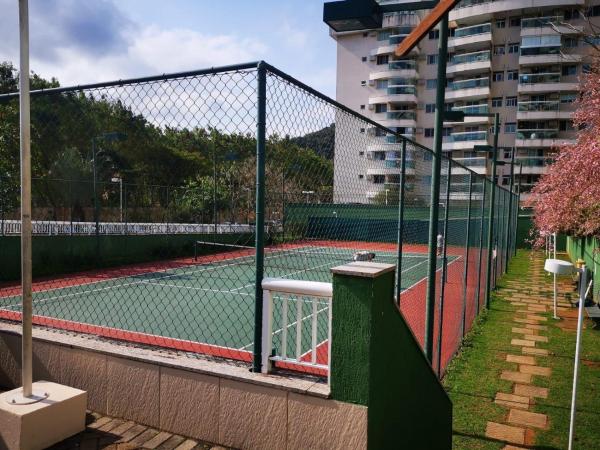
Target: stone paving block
(523,330)
(539,308)
(537,317)
(511,405)
(522,343)
(535,351)
(187,445)
(536,327)
(526,321)
(527,418)
(513,398)
(520,359)
(530,391)
(536,338)
(517,377)
(505,433)
(161,437)
(535,370)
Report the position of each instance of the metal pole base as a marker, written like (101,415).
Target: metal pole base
(19,399)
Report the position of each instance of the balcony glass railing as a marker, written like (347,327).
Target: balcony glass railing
(402,65)
(534,161)
(468,136)
(469,84)
(401,82)
(539,106)
(470,57)
(533,51)
(395,140)
(532,78)
(473,109)
(402,90)
(397,164)
(473,30)
(466,3)
(472,162)
(401,115)
(396,39)
(537,134)
(538,22)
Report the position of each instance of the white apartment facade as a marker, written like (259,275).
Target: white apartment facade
(520,58)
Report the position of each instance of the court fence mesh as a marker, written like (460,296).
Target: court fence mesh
(147,226)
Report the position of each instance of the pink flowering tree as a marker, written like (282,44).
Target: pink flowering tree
(567,198)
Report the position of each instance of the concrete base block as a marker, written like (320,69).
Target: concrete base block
(42,424)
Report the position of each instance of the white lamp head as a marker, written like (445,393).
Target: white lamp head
(558,266)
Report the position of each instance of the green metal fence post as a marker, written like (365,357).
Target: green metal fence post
(261,125)
(400,221)
(481,222)
(467,244)
(518,206)
(510,233)
(96,212)
(125,216)
(444,270)
(435,186)
(491,214)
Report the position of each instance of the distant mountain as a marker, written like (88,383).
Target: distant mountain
(322,142)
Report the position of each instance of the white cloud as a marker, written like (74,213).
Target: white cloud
(294,37)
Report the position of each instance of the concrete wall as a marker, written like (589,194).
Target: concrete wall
(211,401)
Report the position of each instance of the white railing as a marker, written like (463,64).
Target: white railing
(52,227)
(301,309)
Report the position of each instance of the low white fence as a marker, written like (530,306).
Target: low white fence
(52,228)
(300,312)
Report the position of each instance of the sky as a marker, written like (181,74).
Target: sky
(88,41)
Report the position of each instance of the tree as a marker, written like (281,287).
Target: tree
(567,198)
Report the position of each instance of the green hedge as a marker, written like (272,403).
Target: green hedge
(583,248)
(53,255)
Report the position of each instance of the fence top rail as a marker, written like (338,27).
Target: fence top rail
(257,65)
(298,287)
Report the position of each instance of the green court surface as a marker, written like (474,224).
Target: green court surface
(211,302)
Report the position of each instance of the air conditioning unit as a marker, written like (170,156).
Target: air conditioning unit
(371,82)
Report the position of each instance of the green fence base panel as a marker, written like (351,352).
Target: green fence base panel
(54,255)
(377,362)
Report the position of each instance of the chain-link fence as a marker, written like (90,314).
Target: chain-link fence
(160,204)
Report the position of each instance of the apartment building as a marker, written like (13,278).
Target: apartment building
(520,58)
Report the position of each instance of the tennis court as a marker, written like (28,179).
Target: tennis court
(204,306)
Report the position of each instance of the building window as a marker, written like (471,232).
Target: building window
(505,180)
(363,83)
(511,101)
(507,153)
(586,68)
(499,49)
(510,127)
(513,47)
(569,69)
(432,83)
(565,125)
(515,21)
(362,130)
(497,102)
(568,98)
(381,84)
(361,153)
(512,75)
(446,131)
(571,14)
(570,42)
(378,179)
(360,177)
(362,106)
(500,23)
(434,34)
(428,132)
(448,106)
(383,59)
(430,108)
(381,107)
(594,11)
(498,76)
(432,59)
(364,59)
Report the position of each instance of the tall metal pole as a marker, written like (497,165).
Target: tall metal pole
(400,221)
(26,263)
(467,244)
(444,274)
(95,191)
(121,197)
(214,155)
(518,205)
(435,186)
(491,215)
(482,221)
(509,232)
(261,126)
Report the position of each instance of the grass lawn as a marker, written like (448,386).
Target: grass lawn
(473,377)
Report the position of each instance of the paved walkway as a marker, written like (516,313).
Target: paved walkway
(109,433)
(533,298)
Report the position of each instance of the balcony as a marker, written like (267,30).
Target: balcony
(403,119)
(396,69)
(544,82)
(471,37)
(543,110)
(465,140)
(474,109)
(533,164)
(534,56)
(395,94)
(476,11)
(469,63)
(468,89)
(540,138)
(477,164)
(533,26)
